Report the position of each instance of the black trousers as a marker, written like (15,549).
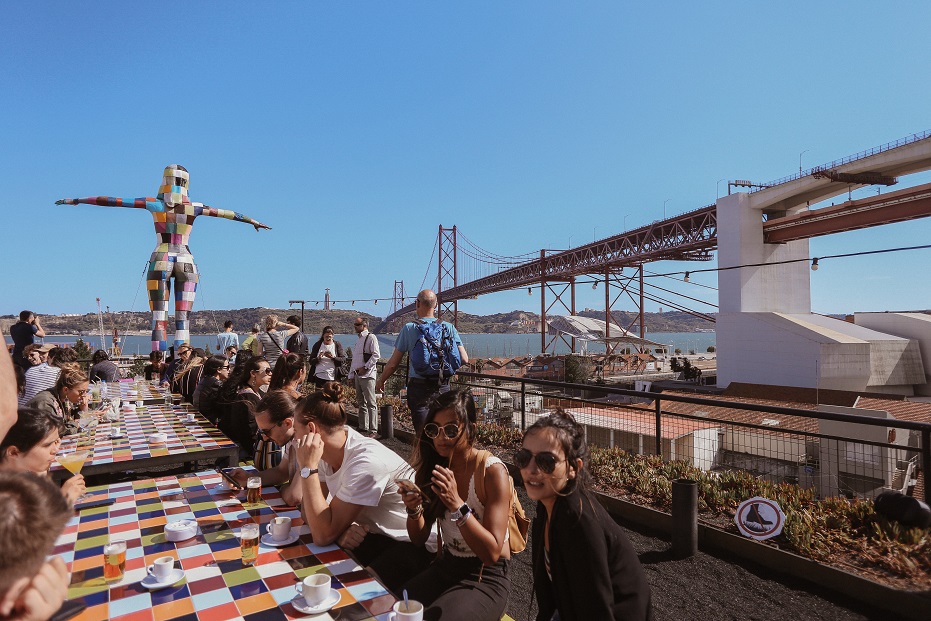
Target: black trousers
(394,562)
(462,589)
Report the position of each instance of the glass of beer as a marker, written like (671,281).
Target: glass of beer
(114,560)
(249,539)
(254,490)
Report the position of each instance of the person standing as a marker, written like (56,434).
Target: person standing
(365,356)
(419,388)
(297,344)
(272,342)
(227,338)
(252,341)
(326,358)
(23,333)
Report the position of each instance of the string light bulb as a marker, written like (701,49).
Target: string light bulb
(814,264)
(529,291)
(353,302)
(376,301)
(595,285)
(686,279)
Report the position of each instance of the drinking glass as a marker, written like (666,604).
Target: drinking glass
(249,539)
(114,560)
(254,490)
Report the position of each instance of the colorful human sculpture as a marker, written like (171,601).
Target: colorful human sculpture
(174,215)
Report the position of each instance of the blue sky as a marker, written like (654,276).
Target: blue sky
(356,129)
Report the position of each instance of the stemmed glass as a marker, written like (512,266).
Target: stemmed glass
(73,463)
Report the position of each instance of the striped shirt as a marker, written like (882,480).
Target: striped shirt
(39,378)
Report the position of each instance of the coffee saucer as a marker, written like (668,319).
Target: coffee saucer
(268,540)
(114,436)
(151,582)
(301,606)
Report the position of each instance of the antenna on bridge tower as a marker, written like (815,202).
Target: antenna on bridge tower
(397,302)
(447,275)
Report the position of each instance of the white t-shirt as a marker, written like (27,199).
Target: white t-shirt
(326,368)
(366,477)
(288,452)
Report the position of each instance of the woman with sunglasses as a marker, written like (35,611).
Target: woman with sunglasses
(470,580)
(206,395)
(584,566)
(350,491)
(241,393)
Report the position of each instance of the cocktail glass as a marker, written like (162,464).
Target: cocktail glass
(73,463)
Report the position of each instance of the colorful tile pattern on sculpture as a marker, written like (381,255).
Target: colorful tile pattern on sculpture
(216,586)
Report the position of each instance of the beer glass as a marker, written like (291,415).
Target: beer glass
(114,560)
(254,490)
(249,539)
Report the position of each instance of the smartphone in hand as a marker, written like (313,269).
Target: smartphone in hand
(408,487)
(225,473)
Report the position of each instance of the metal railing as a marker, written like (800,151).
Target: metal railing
(838,454)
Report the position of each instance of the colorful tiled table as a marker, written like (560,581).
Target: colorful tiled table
(187,442)
(148,393)
(216,586)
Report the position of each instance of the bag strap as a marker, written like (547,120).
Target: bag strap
(272,339)
(480,475)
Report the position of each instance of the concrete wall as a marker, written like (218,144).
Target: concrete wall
(914,326)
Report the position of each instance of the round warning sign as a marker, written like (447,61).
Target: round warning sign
(759,518)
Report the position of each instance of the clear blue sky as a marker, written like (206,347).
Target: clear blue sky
(355,129)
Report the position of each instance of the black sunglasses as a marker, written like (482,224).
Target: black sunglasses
(546,461)
(451,431)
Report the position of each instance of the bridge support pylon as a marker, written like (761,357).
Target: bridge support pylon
(447,277)
(397,301)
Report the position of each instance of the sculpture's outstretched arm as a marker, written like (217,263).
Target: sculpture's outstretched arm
(108,201)
(204,210)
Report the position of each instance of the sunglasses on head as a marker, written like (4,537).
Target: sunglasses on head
(546,461)
(451,431)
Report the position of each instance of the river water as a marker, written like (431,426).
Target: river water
(478,345)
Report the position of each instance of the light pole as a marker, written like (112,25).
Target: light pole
(664,207)
(800,160)
(625,221)
(718,188)
(594,235)
(570,242)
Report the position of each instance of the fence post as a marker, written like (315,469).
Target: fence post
(523,405)
(659,427)
(387,421)
(684,518)
(926,461)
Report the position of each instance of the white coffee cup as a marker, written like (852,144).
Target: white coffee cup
(115,431)
(139,404)
(314,588)
(280,528)
(189,418)
(161,568)
(411,611)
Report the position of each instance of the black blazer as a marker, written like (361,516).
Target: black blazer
(596,572)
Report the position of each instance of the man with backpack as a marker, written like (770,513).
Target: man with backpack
(435,353)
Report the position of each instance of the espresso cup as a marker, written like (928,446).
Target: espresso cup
(161,568)
(410,611)
(280,528)
(314,588)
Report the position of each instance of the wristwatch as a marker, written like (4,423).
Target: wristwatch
(306,472)
(461,512)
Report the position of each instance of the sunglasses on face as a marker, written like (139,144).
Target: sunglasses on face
(266,370)
(358,324)
(451,431)
(546,461)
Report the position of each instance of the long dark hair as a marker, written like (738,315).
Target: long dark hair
(239,377)
(571,437)
(425,458)
(287,368)
(322,332)
(31,427)
(213,365)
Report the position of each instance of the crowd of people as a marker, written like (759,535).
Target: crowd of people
(439,527)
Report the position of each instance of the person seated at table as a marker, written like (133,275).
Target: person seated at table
(42,375)
(584,566)
(470,580)
(33,515)
(153,370)
(289,375)
(349,491)
(103,369)
(175,361)
(31,445)
(275,419)
(66,400)
(188,376)
(239,395)
(207,394)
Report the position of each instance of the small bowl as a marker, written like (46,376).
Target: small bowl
(181,530)
(158,438)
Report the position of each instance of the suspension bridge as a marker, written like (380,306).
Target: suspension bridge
(691,236)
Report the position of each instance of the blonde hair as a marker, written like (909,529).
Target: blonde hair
(271,322)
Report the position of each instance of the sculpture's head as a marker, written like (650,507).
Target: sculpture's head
(174,185)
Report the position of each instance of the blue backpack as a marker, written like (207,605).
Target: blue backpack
(435,355)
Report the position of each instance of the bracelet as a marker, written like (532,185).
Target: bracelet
(463,519)
(414,513)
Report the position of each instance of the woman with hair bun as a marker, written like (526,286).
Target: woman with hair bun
(584,566)
(366,513)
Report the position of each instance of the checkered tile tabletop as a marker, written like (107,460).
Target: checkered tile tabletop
(216,586)
(144,391)
(186,441)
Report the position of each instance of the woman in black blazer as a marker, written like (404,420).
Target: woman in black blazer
(584,566)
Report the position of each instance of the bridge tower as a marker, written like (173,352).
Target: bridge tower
(447,275)
(397,302)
